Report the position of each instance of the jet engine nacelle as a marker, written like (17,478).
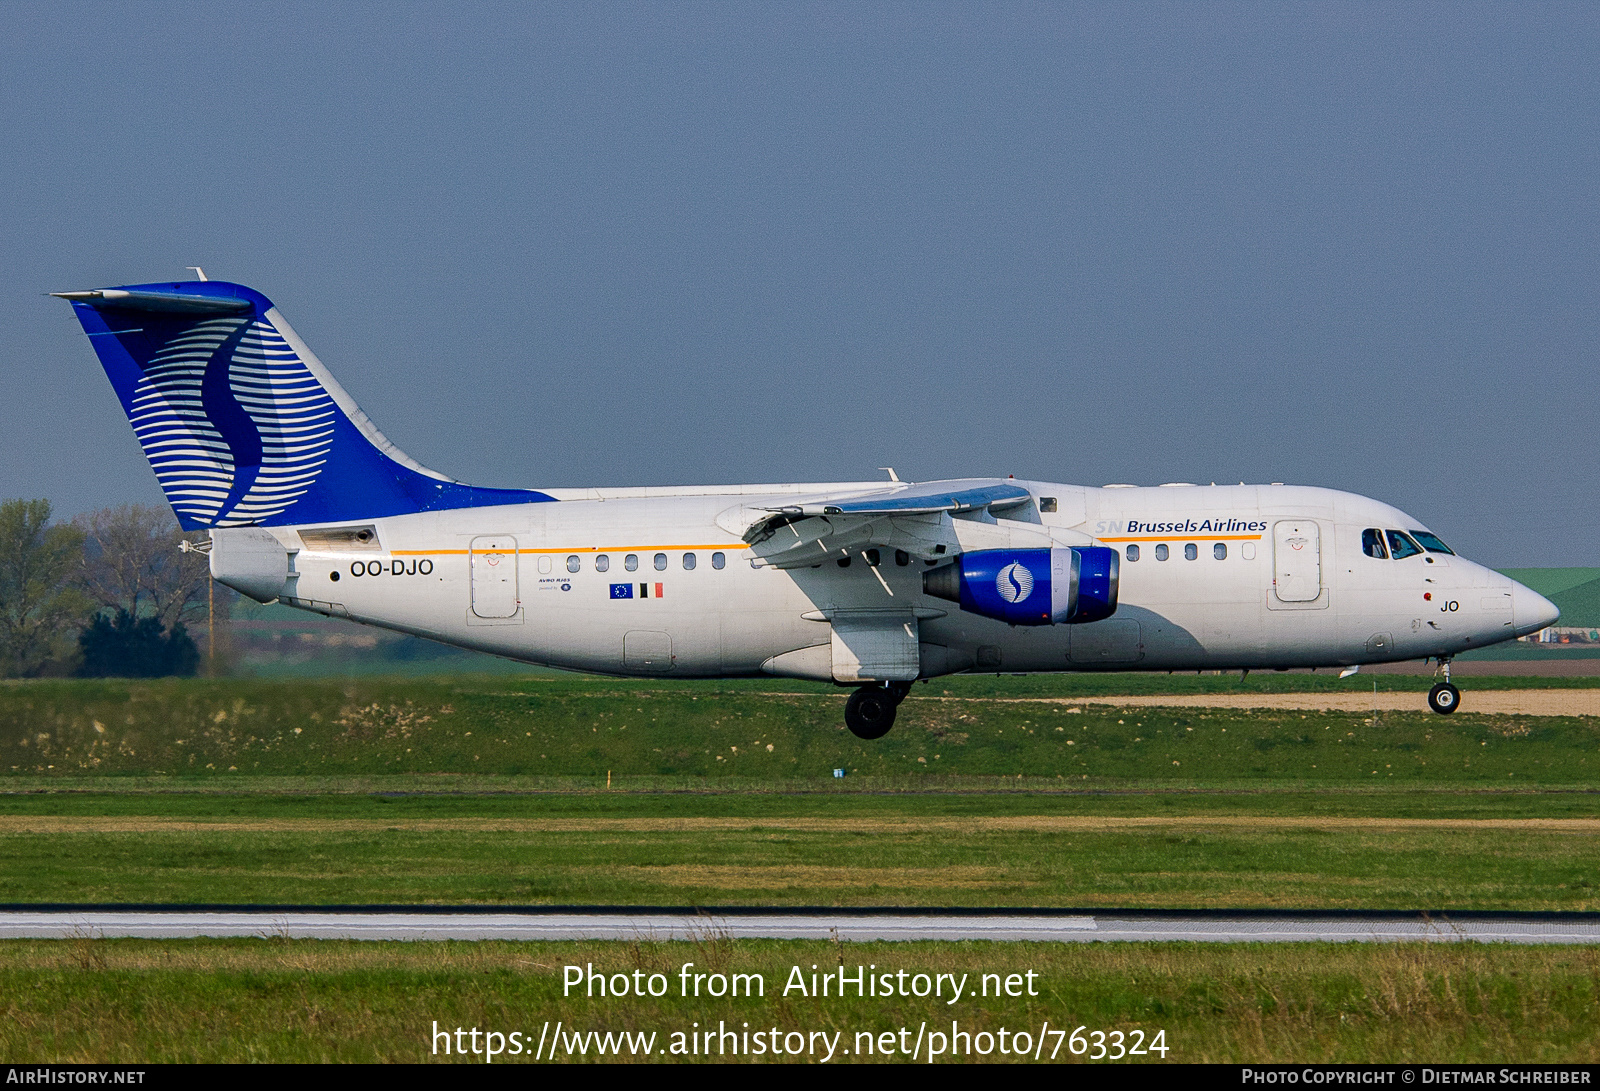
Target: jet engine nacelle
(1058,586)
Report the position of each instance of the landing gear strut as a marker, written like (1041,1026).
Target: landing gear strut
(869,714)
(1444,698)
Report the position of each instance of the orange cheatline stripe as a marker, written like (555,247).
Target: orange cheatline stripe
(1191,537)
(566,549)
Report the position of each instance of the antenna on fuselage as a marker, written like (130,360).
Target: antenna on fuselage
(890,471)
(200,274)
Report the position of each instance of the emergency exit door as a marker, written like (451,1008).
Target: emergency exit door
(1297,560)
(493,559)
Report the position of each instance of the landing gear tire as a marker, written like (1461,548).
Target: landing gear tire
(869,714)
(1444,698)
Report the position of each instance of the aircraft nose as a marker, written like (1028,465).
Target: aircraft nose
(1530,610)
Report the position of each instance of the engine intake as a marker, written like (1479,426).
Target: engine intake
(1058,586)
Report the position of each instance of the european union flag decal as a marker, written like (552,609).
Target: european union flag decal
(622,590)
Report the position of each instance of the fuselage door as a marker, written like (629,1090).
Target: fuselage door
(493,558)
(1297,560)
(644,650)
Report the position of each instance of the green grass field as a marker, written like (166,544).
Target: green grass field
(765,734)
(848,850)
(989,792)
(489,791)
(136,1001)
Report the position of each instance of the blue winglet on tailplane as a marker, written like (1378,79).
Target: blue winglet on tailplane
(241,423)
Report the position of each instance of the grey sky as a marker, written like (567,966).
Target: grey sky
(1346,245)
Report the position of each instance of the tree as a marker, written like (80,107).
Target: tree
(132,562)
(124,646)
(38,604)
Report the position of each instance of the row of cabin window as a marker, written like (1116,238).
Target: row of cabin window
(602,562)
(1190,552)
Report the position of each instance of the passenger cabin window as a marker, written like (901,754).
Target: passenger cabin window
(1161,552)
(574,563)
(1401,547)
(1372,544)
(661,562)
(602,563)
(544,565)
(1220,551)
(873,557)
(1191,551)
(631,562)
(689,561)
(1431,542)
(1133,553)
(1047,503)
(902,558)
(718,560)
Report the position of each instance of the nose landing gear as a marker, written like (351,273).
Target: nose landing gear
(870,712)
(1444,698)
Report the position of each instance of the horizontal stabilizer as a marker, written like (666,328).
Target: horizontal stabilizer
(157,302)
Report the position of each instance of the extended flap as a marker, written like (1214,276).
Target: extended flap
(875,648)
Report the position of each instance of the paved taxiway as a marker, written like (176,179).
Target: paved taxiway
(1087,928)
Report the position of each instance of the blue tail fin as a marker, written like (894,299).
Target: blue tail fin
(241,423)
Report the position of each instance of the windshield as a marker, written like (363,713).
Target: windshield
(1431,542)
(1401,547)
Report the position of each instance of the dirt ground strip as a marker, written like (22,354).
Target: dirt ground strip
(21,825)
(1556,666)
(1505,702)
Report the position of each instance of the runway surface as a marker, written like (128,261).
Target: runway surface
(300,923)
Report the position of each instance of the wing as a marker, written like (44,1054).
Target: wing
(927,498)
(920,519)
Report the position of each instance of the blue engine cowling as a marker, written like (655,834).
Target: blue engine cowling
(1059,586)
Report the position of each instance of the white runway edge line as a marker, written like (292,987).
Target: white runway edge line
(149,924)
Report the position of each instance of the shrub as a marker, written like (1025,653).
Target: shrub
(123,646)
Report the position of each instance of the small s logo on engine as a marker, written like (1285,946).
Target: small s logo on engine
(1014,582)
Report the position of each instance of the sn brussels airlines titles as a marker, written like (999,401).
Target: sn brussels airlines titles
(873,585)
(1224,525)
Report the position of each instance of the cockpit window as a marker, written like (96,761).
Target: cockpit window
(1431,542)
(1372,544)
(1401,546)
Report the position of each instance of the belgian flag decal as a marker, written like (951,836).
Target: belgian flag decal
(625,591)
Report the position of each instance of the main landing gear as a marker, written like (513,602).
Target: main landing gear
(1444,698)
(869,714)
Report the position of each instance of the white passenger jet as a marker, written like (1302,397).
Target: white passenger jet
(869,584)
